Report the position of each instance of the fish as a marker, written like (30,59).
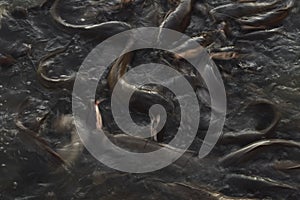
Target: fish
(3,12)
(139,144)
(243,154)
(261,34)
(6,60)
(191,53)
(37,143)
(99,122)
(40,146)
(134,144)
(237,10)
(247,135)
(269,19)
(179,19)
(245,1)
(185,51)
(287,165)
(13,49)
(64,124)
(20,12)
(127,1)
(254,183)
(66,82)
(241,137)
(153,14)
(64,156)
(101,177)
(227,55)
(156,135)
(101,30)
(183,190)
(118,69)
(144,96)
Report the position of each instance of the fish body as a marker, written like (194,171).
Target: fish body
(260,34)
(179,19)
(248,135)
(244,153)
(237,10)
(254,183)
(101,30)
(65,82)
(268,19)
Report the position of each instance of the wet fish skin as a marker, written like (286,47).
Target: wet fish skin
(186,190)
(6,60)
(242,154)
(229,55)
(64,124)
(53,82)
(179,19)
(254,183)
(246,136)
(237,10)
(260,34)
(37,143)
(184,50)
(269,19)
(144,97)
(118,69)
(191,53)
(41,146)
(286,165)
(101,30)
(62,158)
(241,137)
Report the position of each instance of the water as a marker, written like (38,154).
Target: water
(271,71)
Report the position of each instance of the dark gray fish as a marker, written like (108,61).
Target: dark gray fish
(66,82)
(184,50)
(256,133)
(244,153)
(269,19)
(287,165)
(65,155)
(126,2)
(118,69)
(180,18)
(37,143)
(144,96)
(102,30)
(179,190)
(40,145)
(13,49)
(256,183)
(6,60)
(153,14)
(237,10)
(100,177)
(245,1)
(261,34)
(144,145)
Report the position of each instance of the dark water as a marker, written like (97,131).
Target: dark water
(270,71)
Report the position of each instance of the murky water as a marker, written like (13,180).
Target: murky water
(270,71)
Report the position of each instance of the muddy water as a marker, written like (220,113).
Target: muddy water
(270,71)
